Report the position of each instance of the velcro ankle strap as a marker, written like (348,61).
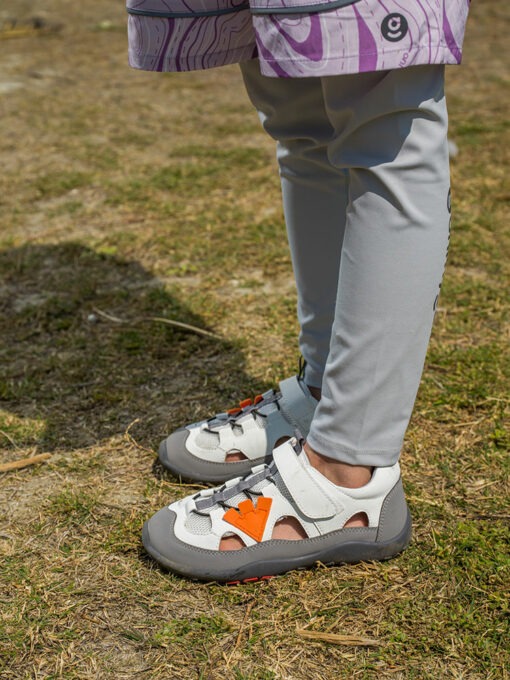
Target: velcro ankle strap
(311,499)
(296,406)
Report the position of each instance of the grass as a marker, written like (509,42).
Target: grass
(126,196)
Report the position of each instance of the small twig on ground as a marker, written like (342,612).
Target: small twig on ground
(9,438)
(191,485)
(109,317)
(489,517)
(241,628)
(132,440)
(158,319)
(184,326)
(423,500)
(34,26)
(336,639)
(24,462)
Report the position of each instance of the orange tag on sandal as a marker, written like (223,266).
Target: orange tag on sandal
(250,519)
(237,409)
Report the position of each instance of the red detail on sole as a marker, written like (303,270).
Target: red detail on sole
(252,579)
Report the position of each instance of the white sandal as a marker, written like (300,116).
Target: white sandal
(199,451)
(185,537)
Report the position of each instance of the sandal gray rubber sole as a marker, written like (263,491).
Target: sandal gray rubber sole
(258,562)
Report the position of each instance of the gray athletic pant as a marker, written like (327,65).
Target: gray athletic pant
(365,179)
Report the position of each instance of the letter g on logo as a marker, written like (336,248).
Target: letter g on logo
(394,27)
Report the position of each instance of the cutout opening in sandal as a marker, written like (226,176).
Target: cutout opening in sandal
(360,519)
(234,455)
(231,542)
(288,529)
(281,441)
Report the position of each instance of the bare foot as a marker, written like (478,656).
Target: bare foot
(234,456)
(342,474)
(338,472)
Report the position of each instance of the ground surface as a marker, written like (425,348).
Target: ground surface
(127,196)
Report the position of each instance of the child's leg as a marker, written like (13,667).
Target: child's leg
(387,130)
(314,200)
(390,133)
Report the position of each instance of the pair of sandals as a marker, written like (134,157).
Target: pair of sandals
(256,450)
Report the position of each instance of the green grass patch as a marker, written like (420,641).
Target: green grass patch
(53,184)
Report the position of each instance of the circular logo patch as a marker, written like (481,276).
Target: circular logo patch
(394,27)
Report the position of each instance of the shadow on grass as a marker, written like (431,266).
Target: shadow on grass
(71,378)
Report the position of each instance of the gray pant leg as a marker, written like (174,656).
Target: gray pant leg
(387,131)
(390,134)
(314,201)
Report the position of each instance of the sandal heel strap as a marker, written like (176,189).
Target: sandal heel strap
(297,407)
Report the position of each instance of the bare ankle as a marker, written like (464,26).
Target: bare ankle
(338,472)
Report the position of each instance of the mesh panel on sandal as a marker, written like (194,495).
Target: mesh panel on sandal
(198,524)
(239,498)
(207,439)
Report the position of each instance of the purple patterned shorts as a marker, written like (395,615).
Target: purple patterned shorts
(295,38)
